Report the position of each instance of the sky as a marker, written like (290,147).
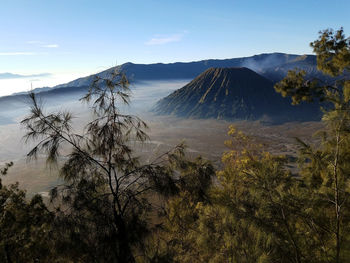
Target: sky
(45,43)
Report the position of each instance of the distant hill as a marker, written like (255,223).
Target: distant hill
(233,93)
(14,106)
(273,66)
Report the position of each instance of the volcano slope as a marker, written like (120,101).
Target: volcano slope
(234,94)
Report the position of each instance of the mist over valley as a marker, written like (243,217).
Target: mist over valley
(203,134)
(174,131)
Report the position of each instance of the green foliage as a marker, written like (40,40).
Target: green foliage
(25,227)
(295,86)
(173,238)
(325,167)
(257,210)
(333,52)
(104,197)
(249,214)
(254,210)
(4,170)
(333,58)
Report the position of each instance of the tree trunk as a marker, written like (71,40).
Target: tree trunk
(336,198)
(7,254)
(125,254)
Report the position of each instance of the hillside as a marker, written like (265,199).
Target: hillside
(233,93)
(273,66)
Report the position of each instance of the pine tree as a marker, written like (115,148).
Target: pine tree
(325,167)
(258,210)
(25,226)
(106,186)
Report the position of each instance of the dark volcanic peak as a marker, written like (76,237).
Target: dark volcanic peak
(232,93)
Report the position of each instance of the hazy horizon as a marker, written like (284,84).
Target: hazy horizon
(57,42)
(24,82)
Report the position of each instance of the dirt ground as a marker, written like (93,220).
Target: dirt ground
(202,137)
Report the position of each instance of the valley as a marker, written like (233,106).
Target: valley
(203,137)
(204,133)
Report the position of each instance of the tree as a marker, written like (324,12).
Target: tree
(250,214)
(4,170)
(106,186)
(326,166)
(172,239)
(258,210)
(25,226)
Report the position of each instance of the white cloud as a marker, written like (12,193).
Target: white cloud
(51,46)
(161,40)
(17,53)
(42,44)
(10,86)
(8,75)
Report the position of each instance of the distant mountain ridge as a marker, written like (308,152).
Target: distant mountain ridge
(233,93)
(8,75)
(273,66)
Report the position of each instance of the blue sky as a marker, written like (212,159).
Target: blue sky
(68,39)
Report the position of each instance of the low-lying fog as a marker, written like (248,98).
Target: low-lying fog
(204,137)
(34,176)
(14,108)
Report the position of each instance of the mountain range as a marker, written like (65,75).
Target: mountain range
(270,67)
(273,66)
